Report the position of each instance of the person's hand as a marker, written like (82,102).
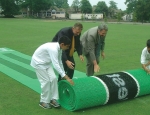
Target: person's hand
(103,55)
(96,68)
(68,79)
(81,58)
(148,63)
(70,64)
(148,72)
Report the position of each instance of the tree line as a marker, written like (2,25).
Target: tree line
(139,8)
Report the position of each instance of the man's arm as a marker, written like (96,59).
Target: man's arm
(144,66)
(91,48)
(96,66)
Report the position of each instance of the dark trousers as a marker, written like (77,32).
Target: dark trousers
(68,71)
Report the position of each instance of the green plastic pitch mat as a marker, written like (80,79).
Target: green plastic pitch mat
(87,91)
(17,66)
(103,89)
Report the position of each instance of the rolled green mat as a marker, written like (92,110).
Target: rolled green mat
(103,89)
(143,79)
(85,93)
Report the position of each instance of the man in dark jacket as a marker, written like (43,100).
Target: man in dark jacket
(73,33)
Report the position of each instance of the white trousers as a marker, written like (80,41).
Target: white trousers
(49,84)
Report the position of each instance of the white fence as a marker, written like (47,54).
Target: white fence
(86,16)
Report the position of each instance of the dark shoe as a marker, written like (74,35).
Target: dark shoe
(45,105)
(54,103)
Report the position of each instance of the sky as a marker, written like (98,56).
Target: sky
(120,3)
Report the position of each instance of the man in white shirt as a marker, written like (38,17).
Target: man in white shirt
(145,57)
(43,60)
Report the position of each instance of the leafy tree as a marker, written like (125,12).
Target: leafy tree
(93,16)
(111,12)
(134,17)
(101,8)
(10,8)
(39,5)
(118,16)
(36,5)
(76,5)
(86,6)
(142,10)
(113,5)
(29,5)
(105,17)
(61,3)
(112,8)
(82,17)
(19,2)
(65,4)
(67,15)
(131,4)
(58,3)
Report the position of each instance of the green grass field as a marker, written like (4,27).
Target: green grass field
(124,43)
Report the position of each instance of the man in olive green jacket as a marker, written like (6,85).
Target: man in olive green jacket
(93,42)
